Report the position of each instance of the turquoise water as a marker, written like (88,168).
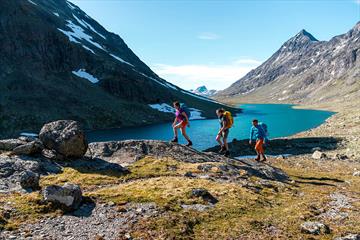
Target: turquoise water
(282,121)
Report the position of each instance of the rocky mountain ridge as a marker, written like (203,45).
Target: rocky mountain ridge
(304,70)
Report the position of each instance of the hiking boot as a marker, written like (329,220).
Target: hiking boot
(222,149)
(175,140)
(189,144)
(227,154)
(257,159)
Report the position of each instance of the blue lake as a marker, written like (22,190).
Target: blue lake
(282,120)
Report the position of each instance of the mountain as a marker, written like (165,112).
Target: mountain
(304,70)
(56,62)
(203,91)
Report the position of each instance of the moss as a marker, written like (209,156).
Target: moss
(27,208)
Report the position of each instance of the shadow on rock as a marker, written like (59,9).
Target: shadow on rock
(295,146)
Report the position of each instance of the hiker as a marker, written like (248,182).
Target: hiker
(258,133)
(226,122)
(181,121)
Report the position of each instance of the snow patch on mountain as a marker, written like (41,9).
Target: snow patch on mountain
(163,107)
(88,26)
(77,33)
(83,74)
(195,114)
(32,2)
(203,91)
(121,60)
(56,14)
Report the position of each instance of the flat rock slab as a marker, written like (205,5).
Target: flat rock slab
(130,151)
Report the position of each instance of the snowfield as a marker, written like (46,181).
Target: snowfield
(77,33)
(83,74)
(195,113)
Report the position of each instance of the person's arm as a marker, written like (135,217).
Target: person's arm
(223,128)
(251,135)
(174,123)
(186,117)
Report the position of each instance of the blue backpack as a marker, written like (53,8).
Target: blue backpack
(186,110)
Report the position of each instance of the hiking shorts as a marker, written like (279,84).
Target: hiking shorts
(259,146)
(225,134)
(184,123)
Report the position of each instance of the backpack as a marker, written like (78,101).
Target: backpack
(265,128)
(186,110)
(229,118)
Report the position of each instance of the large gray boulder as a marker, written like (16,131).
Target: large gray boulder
(65,137)
(69,195)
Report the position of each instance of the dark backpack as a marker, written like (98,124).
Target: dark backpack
(186,110)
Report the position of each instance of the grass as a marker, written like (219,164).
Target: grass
(272,213)
(25,208)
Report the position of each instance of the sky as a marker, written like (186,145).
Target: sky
(214,43)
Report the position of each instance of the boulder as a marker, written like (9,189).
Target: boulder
(30,148)
(356,174)
(314,228)
(69,195)
(318,155)
(349,237)
(29,180)
(65,137)
(204,194)
(10,144)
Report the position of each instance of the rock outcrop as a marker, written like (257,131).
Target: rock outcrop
(130,151)
(65,137)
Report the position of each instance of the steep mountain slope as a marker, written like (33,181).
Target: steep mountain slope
(58,63)
(304,70)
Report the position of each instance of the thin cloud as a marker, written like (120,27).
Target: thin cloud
(212,76)
(357,2)
(208,36)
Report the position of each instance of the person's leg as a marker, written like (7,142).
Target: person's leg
(257,149)
(183,132)
(218,139)
(261,149)
(175,129)
(226,146)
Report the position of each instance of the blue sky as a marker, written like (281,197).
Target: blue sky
(214,43)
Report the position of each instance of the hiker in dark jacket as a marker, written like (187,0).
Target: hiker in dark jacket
(180,122)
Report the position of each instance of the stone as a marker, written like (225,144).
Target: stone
(314,228)
(318,155)
(65,137)
(30,148)
(349,237)
(29,180)
(356,174)
(69,195)
(316,149)
(204,194)
(10,144)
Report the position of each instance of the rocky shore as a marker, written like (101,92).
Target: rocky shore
(59,187)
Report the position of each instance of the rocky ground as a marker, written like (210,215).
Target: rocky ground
(158,190)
